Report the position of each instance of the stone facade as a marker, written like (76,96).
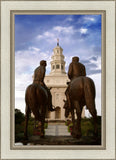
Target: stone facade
(57,79)
(58,84)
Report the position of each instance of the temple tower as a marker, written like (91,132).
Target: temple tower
(57,63)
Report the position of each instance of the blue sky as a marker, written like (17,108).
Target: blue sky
(36,36)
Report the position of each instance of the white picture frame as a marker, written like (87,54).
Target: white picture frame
(107,149)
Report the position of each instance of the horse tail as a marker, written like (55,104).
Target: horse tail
(89,92)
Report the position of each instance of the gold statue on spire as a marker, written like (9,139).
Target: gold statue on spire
(57,41)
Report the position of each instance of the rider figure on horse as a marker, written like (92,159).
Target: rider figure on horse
(76,69)
(39,75)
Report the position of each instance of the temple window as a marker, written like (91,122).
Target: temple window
(57,66)
(58,113)
(62,67)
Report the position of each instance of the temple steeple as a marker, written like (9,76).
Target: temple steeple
(58,63)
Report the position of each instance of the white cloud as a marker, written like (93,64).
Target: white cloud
(29,59)
(34,49)
(89,19)
(20,104)
(83,30)
(69,29)
(21,83)
(97,62)
(49,34)
(39,36)
(70,19)
(46,35)
(61,32)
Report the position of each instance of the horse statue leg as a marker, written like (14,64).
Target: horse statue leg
(77,127)
(73,116)
(27,112)
(73,120)
(43,121)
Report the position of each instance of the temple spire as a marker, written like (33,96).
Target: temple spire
(57,63)
(57,41)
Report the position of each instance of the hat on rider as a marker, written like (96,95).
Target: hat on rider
(75,59)
(43,62)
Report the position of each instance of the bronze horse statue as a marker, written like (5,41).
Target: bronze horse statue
(81,92)
(37,100)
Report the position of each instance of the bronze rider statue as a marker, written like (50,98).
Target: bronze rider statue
(76,69)
(39,75)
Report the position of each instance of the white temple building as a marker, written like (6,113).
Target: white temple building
(57,79)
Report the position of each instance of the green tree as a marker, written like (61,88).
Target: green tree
(19,116)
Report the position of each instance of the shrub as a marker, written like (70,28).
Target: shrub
(70,126)
(19,116)
(45,125)
(87,126)
(68,122)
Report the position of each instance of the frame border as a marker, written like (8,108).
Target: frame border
(103,78)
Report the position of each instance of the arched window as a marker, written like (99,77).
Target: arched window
(57,66)
(58,113)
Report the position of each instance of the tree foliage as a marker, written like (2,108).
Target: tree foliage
(19,116)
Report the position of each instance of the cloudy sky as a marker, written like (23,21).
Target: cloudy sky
(35,38)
